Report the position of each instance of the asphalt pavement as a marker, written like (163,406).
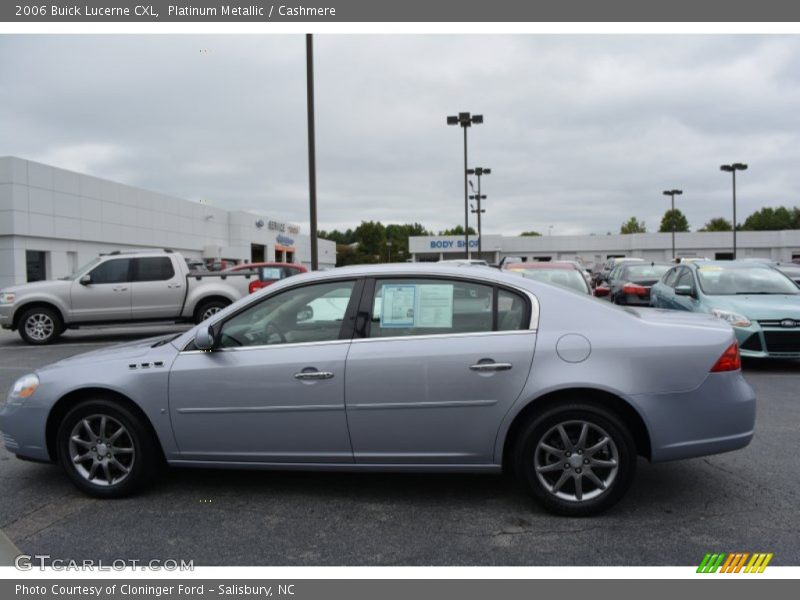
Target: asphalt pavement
(673,514)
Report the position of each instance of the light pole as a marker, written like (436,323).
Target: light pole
(389,249)
(312,154)
(465,120)
(732,168)
(672,194)
(479,172)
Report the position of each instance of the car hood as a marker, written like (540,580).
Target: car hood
(760,307)
(661,316)
(39,286)
(126,351)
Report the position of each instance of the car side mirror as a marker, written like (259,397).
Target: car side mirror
(204,338)
(601,291)
(85,280)
(305,314)
(684,290)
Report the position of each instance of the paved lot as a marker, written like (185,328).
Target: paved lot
(673,514)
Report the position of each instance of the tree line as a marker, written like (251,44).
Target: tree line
(764,219)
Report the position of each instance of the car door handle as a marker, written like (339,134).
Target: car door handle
(176,285)
(120,289)
(490,366)
(313,375)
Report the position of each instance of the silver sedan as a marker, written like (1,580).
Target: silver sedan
(398,368)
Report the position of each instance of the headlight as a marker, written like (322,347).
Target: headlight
(733,318)
(7,297)
(24,387)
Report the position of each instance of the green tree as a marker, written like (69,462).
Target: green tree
(676,217)
(457,230)
(772,219)
(717,224)
(633,225)
(371,238)
(530,234)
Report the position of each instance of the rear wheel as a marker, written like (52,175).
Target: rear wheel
(106,450)
(40,325)
(577,459)
(209,309)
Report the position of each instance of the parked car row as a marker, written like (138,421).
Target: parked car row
(130,287)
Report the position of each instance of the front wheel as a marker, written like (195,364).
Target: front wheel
(577,459)
(40,325)
(106,449)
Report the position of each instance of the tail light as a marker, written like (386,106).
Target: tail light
(254,286)
(729,361)
(601,291)
(634,289)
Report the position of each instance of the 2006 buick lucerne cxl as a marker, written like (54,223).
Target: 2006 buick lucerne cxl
(398,368)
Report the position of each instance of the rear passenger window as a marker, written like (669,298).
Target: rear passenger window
(156,268)
(429,307)
(408,307)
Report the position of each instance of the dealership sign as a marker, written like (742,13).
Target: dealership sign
(451,244)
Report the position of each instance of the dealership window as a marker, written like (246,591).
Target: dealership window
(36,265)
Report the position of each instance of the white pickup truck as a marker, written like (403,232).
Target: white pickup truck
(119,288)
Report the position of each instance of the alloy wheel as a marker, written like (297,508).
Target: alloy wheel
(102,450)
(39,326)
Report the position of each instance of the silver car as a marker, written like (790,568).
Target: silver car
(426,368)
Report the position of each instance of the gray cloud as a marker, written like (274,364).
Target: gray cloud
(581,131)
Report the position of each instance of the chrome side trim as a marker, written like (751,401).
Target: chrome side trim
(444,335)
(443,404)
(342,466)
(258,409)
(267,347)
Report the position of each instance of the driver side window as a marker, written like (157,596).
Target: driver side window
(311,313)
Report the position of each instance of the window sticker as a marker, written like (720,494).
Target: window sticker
(435,306)
(397,305)
(417,305)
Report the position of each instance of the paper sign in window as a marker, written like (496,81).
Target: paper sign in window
(398,305)
(434,306)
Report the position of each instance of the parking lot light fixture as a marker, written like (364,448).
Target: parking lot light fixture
(672,194)
(732,168)
(479,172)
(465,120)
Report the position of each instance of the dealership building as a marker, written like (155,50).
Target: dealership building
(53,220)
(780,246)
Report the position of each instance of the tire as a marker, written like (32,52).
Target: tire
(40,325)
(551,475)
(102,473)
(209,308)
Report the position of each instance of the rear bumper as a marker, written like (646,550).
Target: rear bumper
(719,416)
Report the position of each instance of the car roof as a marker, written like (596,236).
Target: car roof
(561,265)
(729,264)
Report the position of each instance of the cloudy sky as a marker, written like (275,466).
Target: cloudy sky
(581,132)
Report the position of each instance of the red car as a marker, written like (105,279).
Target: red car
(268,272)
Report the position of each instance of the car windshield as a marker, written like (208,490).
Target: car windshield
(567,278)
(728,281)
(84,269)
(647,271)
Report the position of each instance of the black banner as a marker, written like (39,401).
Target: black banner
(398,11)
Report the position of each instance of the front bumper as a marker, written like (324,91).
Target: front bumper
(765,341)
(718,416)
(6,315)
(22,429)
